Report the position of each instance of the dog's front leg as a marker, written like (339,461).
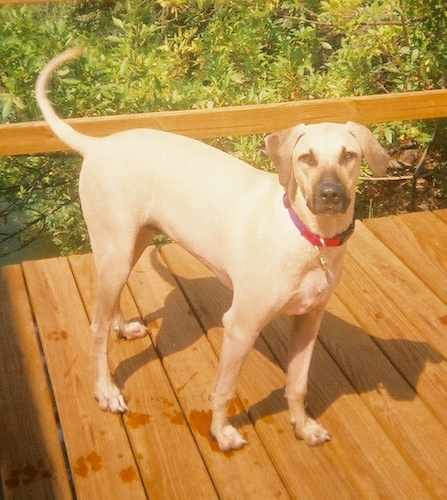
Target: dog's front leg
(302,341)
(238,340)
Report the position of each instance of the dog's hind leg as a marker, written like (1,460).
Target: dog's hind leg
(111,281)
(114,261)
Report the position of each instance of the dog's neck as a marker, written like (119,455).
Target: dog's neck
(324,225)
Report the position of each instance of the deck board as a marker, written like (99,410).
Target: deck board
(97,448)
(32,460)
(378,381)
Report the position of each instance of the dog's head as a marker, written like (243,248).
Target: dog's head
(322,162)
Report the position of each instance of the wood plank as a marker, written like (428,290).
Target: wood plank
(36,137)
(161,440)
(96,442)
(401,313)
(31,457)
(419,240)
(191,366)
(401,413)
(361,453)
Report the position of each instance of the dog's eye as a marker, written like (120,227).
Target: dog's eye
(349,155)
(307,158)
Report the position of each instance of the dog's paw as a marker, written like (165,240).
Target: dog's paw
(229,439)
(110,398)
(312,433)
(131,330)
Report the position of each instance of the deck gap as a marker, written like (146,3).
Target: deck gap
(427,283)
(185,294)
(387,430)
(389,294)
(81,295)
(381,423)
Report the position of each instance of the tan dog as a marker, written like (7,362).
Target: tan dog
(280,255)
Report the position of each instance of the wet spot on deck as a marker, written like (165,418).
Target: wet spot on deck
(57,335)
(137,420)
(176,417)
(86,464)
(128,475)
(27,475)
(267,419)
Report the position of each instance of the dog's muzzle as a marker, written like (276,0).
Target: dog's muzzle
(330,196)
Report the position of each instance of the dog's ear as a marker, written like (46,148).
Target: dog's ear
(376,157)
(280,148)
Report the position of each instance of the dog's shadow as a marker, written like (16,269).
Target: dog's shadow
(208,299)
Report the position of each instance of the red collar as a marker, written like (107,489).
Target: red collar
(314,239)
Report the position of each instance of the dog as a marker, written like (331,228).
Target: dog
(278,245)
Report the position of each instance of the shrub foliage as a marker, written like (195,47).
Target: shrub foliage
(151,55)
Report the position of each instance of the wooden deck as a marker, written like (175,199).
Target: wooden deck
(378,381)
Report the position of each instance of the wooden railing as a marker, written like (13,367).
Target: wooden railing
(36,137)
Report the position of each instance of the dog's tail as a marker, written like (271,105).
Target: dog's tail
(67,134)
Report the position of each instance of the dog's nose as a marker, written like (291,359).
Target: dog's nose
(331,192)
(331,196)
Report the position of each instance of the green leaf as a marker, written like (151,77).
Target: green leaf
(123,67)
(388,135)
(71,81)
(118,22)
(7,108)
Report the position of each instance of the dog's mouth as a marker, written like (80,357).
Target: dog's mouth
(330,210)
(327,210)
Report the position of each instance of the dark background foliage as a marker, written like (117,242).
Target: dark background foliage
(154,55)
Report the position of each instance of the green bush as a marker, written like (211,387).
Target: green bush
(176,54)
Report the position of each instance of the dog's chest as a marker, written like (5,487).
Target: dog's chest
(313,288)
